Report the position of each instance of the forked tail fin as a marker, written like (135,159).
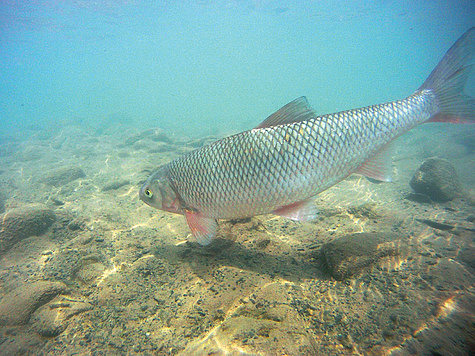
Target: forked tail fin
(448,79)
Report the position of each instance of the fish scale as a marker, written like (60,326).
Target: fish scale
(249,173)
(279,166)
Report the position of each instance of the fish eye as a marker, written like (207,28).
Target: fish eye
(148,193)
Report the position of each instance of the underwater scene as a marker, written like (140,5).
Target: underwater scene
(237,177)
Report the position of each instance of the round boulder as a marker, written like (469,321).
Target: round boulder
(17,306)
(23,222)
(350,254)
(437,179)
(62,176)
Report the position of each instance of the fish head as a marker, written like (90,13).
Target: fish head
(158,192)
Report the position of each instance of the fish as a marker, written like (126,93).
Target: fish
(280,166)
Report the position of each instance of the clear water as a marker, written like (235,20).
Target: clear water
(212,67)
(83,86)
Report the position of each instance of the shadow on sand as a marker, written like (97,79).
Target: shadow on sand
(222,252)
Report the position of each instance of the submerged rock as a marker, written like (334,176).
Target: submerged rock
(156,135)
(64,265)
(17,306)
(90,272)
(51,319)
(366,210)
(160,147)
(437,224)
(349,254)
(62,176)
(20,223)
(113,185)
(467,256)
(437,179)
(419,198)
(199,142)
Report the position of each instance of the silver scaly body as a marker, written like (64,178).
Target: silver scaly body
(257,171)
(295,154)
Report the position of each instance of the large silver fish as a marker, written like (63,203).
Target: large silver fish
(279,166)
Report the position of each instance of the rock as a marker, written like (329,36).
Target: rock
(46,323)
(115,185)
(90,272)
(23,222)
(366,210)
(51,319)
(156,135)
(17,306)
(64,265)
(350,254)
(467,256)
(62,176)
(450,335)
(419,198)
(160,147)
(448,275)
(21,343)
(437,179)
(56,201)
(437,225)
(159,136)
(76,224)
(196,143)
(31,153)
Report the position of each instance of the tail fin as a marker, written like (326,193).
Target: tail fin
(448,79)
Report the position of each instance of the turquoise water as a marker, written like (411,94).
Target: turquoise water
(96,95)
(212,67)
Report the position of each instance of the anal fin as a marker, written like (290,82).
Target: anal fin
(203,228)
(379,166)
(303,210)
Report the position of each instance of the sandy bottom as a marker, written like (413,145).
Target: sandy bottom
(132,280)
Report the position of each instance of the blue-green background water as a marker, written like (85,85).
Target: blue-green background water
(212,67)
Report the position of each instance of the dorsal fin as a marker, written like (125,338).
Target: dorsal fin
(295,111)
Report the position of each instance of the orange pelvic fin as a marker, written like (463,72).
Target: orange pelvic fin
(203,228)
(304,210)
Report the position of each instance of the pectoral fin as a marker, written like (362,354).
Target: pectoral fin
(202,228)
(304,210)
